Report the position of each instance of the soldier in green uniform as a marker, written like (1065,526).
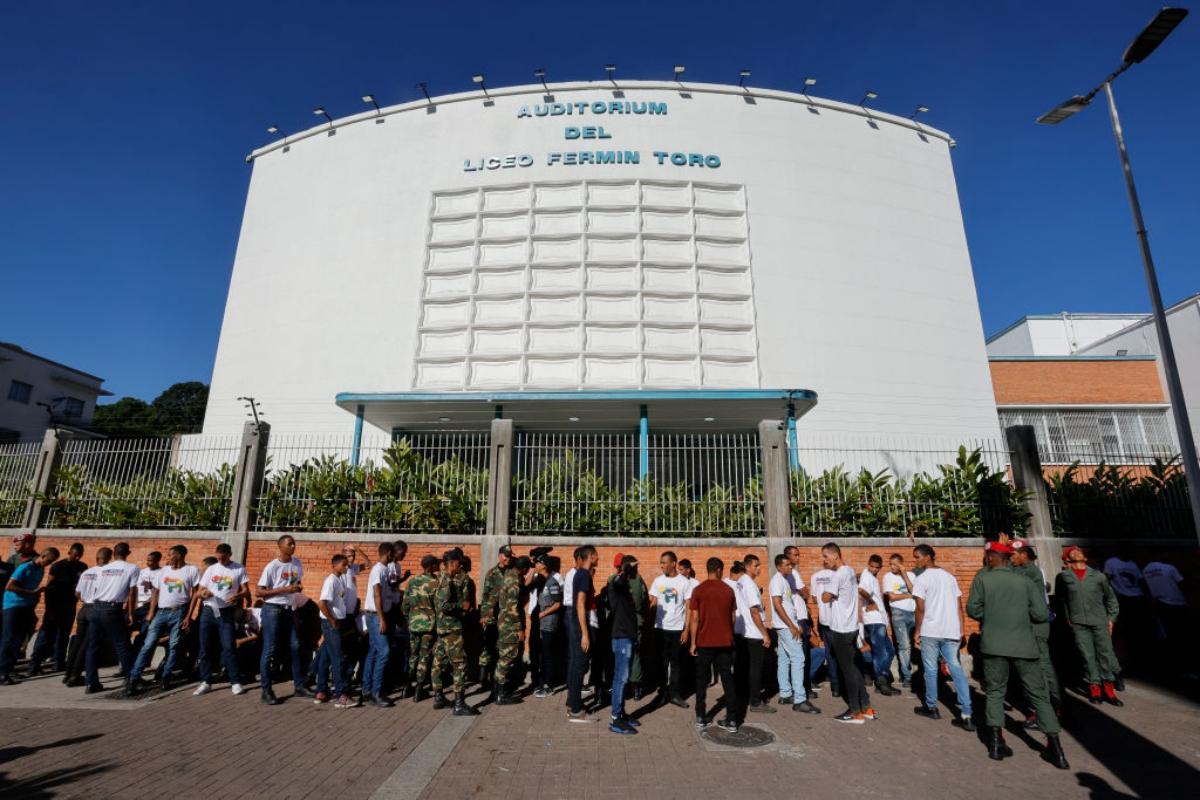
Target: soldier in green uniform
(1024,562)
(510,626)
(1007,605)
(421,613)
(451,601)
(1091,608)
(488,611)
(641,597)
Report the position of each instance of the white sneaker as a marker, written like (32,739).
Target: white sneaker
(203,688)
(237,688)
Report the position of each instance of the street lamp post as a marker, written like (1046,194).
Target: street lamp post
(1150,38)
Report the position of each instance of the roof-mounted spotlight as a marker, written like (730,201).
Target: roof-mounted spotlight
(868,96)
(478,79)
(742,75)
(369,99)
(425,91)
(678,71)
(540,74)
(920,110)
(275,129)
(808,84)
(320,111)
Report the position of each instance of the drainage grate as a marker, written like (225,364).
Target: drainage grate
(745,737)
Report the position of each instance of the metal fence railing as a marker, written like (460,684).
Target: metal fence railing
(693,484)
(421,482)
(175,482)
(1095,435)
(1145,498)
(18,462)
(858,485)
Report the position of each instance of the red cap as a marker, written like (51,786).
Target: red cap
(1067,553)
(1018,544)
(617,560)
(22,538)
(998,547)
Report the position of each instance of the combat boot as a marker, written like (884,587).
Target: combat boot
(506,698)
(995,744)
(420,694)
(1054,752)
(403,692)
(883,686)
(439,700)
(461,709)
(485,681)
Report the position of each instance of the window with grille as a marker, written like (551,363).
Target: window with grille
(1125,435)
(72,408)
(20,391)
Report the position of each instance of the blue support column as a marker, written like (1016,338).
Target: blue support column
(357,446)
(793,453)
(643,443)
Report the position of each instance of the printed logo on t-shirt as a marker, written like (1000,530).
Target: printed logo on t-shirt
(173,585)
(290,577)
(222,583)
(669,596)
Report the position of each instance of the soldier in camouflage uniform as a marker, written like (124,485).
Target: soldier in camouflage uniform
(421,613)
(510,626)
(488,612)
(451,601)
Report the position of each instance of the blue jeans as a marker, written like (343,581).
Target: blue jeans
(172,620)
(816,660)
(948,650)
(789,666)
(221,623)
(330,659)
(904,623)
(622,655)
(377,658)
(279,621)
(882,651)
(107,620)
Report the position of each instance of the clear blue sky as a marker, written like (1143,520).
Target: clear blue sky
(122,179)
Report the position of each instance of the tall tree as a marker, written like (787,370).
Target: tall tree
(179,409)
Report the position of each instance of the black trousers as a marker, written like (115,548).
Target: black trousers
(853,685)
(670,661)
(722,658)
(77,646)
(748,668)
(548,657)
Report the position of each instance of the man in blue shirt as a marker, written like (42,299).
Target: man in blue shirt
(20,599)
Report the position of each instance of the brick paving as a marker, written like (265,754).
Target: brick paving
(57,743)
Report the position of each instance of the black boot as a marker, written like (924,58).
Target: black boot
(1054,752)
(883,686)
(439,700)
(638,692)
(995,744)
(485,681)
(420,694)
(461,709)
(506,698)
(403,692)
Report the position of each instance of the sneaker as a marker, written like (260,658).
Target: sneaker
(927,712)
(806,708)
(344,702)
(906,683)
(300,691)
(678,701)
(618,725)
(870,713)
(269,699)
(966,723)
(203,688)
(701,723)
(542,692)
(785,700)
(93,688)
(628,720)
(237,688)
(728,725)
(761,708)
(849,718)
(322,697)
(381,702)
(578,716)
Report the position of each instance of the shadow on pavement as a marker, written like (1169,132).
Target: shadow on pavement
(42,785)
(1141,764)
(1101,789)
(8,754)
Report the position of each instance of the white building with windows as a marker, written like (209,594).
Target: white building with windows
(39,393)
(593,256)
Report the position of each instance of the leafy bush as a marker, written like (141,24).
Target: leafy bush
(175,499)
(1120,501)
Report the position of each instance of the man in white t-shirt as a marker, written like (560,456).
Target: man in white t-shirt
(844,620)
(822,583)
(147,580)
(376,609)
(168,610)
(896,585)
(755,641)
(875,629)
(335,605)
(668,600)
(939,633)
(223,587)
(279,587)
(789,655)
(114,597)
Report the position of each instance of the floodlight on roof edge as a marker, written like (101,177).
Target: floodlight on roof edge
(678,71)
(320,111)
(742,75)
(868,95)
(919,110)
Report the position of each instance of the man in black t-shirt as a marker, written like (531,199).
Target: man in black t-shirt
(624,619)
(59,614)
(581,628)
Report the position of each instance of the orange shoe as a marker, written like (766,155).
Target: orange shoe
(870,713)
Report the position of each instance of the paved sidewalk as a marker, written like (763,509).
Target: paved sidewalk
(56,742)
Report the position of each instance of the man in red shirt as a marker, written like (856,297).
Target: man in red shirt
(710,626)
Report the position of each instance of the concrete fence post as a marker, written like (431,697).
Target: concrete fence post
(247,482)
(772,438)
(1028,479)
(499,495)
(45,471)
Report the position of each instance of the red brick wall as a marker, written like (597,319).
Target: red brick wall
(1066,382)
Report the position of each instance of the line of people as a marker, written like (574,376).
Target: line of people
(411,631)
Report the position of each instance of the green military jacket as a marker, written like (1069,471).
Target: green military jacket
(488,605)
(1006,605)
(1090,601)
(418,603)
(510,616)
(452,595)
(1034,574)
